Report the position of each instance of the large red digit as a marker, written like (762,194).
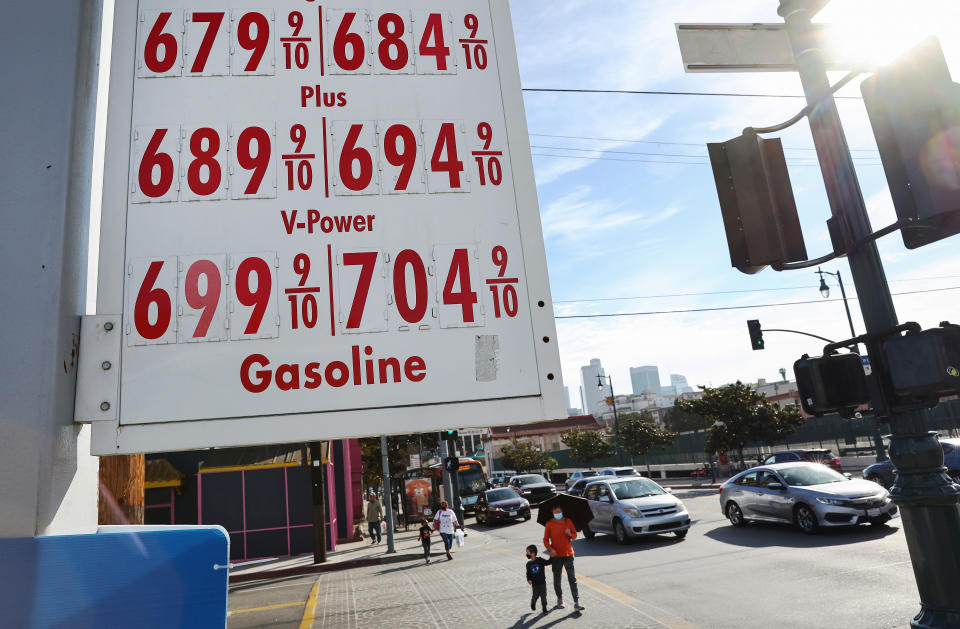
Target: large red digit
(459,274)
(447,143)
(150,159)
(155,40)
(150,295)
(405,158)
(256,43)
(367,260)
(258,298)
(434,30)
(213,21)
(351,153)
(257,162)
(392,29)
(208,300)
(410,314)
(344,37)
(204,157)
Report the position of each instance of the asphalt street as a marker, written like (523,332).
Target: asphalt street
(758,577)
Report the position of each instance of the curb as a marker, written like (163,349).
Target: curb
(326,567)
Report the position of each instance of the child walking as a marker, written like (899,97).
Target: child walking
(537,578)
(424,538)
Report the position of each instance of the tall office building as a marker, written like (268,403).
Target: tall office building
(679,383)
(588,380)
(645,379)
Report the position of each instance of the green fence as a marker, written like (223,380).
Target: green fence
(846,437)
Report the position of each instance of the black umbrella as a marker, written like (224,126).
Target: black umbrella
(575,508)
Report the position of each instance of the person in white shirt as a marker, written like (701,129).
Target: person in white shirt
(446,522)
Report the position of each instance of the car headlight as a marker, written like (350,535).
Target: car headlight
(833,501)
(526,503)
(496,509)
(633,513)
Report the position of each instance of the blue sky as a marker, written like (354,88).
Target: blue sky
(617,228)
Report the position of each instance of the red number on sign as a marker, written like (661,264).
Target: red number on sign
(459,274)
(410,314)
(259,297)
(150,159)
(213,21)
(204,157)
(447,143)
(405,158)
(209,299)
(434,30)
(257,162)
(150,295)
(255,41)
(472,23)
(367,261)
(499,256)
(350,153)
(355,41)
(392,29)
(301,266)
(485,133)
(295,20)
(157,39)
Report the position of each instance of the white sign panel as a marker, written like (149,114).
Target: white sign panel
(320,221)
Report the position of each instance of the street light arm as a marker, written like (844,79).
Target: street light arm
(797,332)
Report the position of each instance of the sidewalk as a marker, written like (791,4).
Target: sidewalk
(348,555)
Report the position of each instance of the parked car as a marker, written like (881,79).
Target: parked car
(580,486)
(813,456)
(631,507)
(809,495)
(533,487)
(884,473)
(580,475)
(619,471)
(501,505)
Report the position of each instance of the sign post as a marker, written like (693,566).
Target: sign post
(318,223)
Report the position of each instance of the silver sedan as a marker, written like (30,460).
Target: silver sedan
(810,495)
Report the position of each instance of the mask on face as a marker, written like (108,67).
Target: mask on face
(558,516)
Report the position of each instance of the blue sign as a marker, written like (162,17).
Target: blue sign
(161,577)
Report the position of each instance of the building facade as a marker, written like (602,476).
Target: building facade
(679,384)
(588,383)
(645,379)
(545,435)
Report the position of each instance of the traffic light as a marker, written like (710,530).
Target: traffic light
(833,383)
(923,366)
(914,108)
(451,464)
(449,434)
(756,201)
(756,334)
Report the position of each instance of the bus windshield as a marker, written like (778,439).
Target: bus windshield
(470,479)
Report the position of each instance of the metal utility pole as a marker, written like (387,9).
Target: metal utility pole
(825,291)
(927,497)
(447,481)
(318,483)
(387,494)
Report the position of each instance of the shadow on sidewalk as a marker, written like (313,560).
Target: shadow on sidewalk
(531,619)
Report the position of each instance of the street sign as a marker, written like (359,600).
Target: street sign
(318,222)
(746,48)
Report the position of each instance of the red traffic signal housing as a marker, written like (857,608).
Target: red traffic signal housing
(833,383)
(914,108)
(757,204)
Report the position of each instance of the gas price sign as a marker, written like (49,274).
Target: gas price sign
(320,221)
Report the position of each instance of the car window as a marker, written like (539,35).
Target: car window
(588,473)
(500,494)
(602,491)
(637,488)
(591,493)
(806,475)
(749,480)
(770,459)
(628,472)
(765,478)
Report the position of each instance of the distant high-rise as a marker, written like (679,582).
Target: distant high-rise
(645,379)
(588,380)
(679,383)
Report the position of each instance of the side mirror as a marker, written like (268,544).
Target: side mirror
(668,490)
(777,486)
(608,498)
(848,475)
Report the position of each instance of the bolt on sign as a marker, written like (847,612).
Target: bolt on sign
(319,221)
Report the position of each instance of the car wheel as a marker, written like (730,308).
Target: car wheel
(806,519)
(955,476)
(735,515)
(620,532)
(526,517)
(681,534)
(587,531)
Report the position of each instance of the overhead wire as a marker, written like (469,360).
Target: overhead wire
(673,93)
(698,144)
(701,156)
(657,161)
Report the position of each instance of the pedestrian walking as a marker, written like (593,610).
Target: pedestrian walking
(446,522)
(424,538)
(557,535)
(537,578)
(374,518)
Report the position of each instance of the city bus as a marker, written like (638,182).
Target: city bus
(423,488)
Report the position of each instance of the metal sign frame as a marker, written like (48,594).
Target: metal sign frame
(112,435)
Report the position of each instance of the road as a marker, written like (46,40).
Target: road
(718,577)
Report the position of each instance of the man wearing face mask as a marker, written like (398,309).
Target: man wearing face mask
(557,535)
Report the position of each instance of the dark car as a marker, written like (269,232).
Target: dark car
(884,474)
(501,505)
(812,456)
(578,487)
(533,487)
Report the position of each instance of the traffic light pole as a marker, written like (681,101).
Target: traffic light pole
(927,497)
